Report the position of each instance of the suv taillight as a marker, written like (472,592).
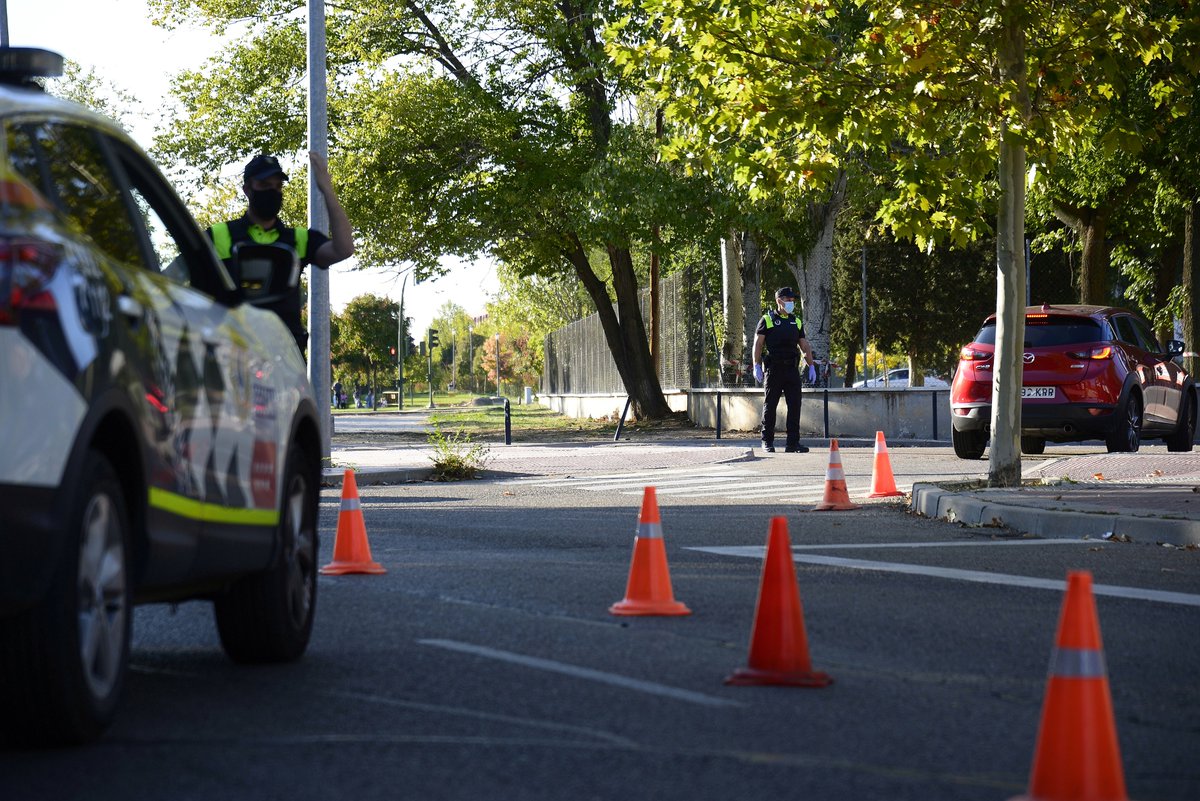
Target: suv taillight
(969,354)
(1092,353)
(26,267)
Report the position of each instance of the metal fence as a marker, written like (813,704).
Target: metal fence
(578,360)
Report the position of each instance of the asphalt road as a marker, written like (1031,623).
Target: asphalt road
(485,664)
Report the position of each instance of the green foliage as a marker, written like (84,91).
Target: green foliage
(91,90)
(455,456)
(774,92)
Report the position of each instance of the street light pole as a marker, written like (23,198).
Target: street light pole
(401,348)
(471,355)
(864,311)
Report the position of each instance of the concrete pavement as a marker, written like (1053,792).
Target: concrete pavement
(1146,497)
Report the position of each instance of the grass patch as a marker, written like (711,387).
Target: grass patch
(489,420)
(456,456)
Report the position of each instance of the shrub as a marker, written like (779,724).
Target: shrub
(456,456)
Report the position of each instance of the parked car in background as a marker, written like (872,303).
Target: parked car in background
(158,434)
(898,379)
(1090,372)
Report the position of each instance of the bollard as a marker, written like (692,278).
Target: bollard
(934,396)
(718,415)
(507,423)
(825,403)
(621,422)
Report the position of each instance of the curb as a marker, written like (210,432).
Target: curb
(933,501)
(332,476)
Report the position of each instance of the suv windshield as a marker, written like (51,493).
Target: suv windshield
(1043,332)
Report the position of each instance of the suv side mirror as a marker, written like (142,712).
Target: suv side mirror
(1175,347)
(265,274)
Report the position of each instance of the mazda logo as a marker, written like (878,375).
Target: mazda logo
(1028,357)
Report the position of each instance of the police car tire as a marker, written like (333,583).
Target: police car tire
(268,617)
(51,692)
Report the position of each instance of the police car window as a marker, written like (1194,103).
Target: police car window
(177,249)
(24,159)
(83,188)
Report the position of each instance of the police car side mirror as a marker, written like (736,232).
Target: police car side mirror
(265,274)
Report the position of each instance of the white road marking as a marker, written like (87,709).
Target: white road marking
(582,673)
(977,576)
(646,475)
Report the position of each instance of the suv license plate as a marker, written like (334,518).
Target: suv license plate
(1037,392)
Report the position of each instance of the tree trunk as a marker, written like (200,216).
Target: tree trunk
(813,270)
(916,373)
(1191,306)
(752,258)
(1164,281)
(733,365)
(1093,266)
(624,329)
(1004,458)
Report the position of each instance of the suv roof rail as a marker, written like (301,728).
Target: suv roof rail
(20,65)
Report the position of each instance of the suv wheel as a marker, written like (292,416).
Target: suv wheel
(1033,445)
(1126,435)
(63,662)
(268,617)
(1185,434)
(968,444)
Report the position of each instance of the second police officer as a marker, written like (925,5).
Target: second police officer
(780,334)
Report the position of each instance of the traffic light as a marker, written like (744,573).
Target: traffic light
(393,350)
(422,349)
(433,338)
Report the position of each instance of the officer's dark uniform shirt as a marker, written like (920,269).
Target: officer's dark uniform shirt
(783,333)
(305,241)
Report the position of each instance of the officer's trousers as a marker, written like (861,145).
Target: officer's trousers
(782,380)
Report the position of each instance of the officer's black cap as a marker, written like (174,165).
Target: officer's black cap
(261,167)
(785,292)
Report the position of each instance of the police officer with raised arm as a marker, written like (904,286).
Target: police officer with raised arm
(779,345)
(262,184)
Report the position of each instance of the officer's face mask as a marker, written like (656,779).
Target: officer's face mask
(788,306)
(266,203)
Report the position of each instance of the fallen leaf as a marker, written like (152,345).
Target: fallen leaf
(1098,476)
(1154,474)
(509,493)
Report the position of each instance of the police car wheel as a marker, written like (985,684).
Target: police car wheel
(268,617)
(63,662)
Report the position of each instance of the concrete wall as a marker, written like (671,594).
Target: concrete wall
(899,413)
(602,405)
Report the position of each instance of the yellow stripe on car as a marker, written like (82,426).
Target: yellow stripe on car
(210,512)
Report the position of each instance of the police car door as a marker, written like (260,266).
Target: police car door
(214,431)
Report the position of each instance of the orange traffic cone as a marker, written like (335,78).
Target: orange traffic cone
(883,483)
(837,497)
(351,551)
(1077,757)
(648,591)
(778,644)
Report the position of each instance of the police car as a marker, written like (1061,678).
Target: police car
(158,435)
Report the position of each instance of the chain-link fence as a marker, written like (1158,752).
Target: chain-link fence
(578,360)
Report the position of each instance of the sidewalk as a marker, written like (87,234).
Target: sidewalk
(1129,497)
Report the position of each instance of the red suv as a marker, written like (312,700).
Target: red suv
(1091,372)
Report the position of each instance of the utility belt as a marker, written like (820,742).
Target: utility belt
(779,362)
